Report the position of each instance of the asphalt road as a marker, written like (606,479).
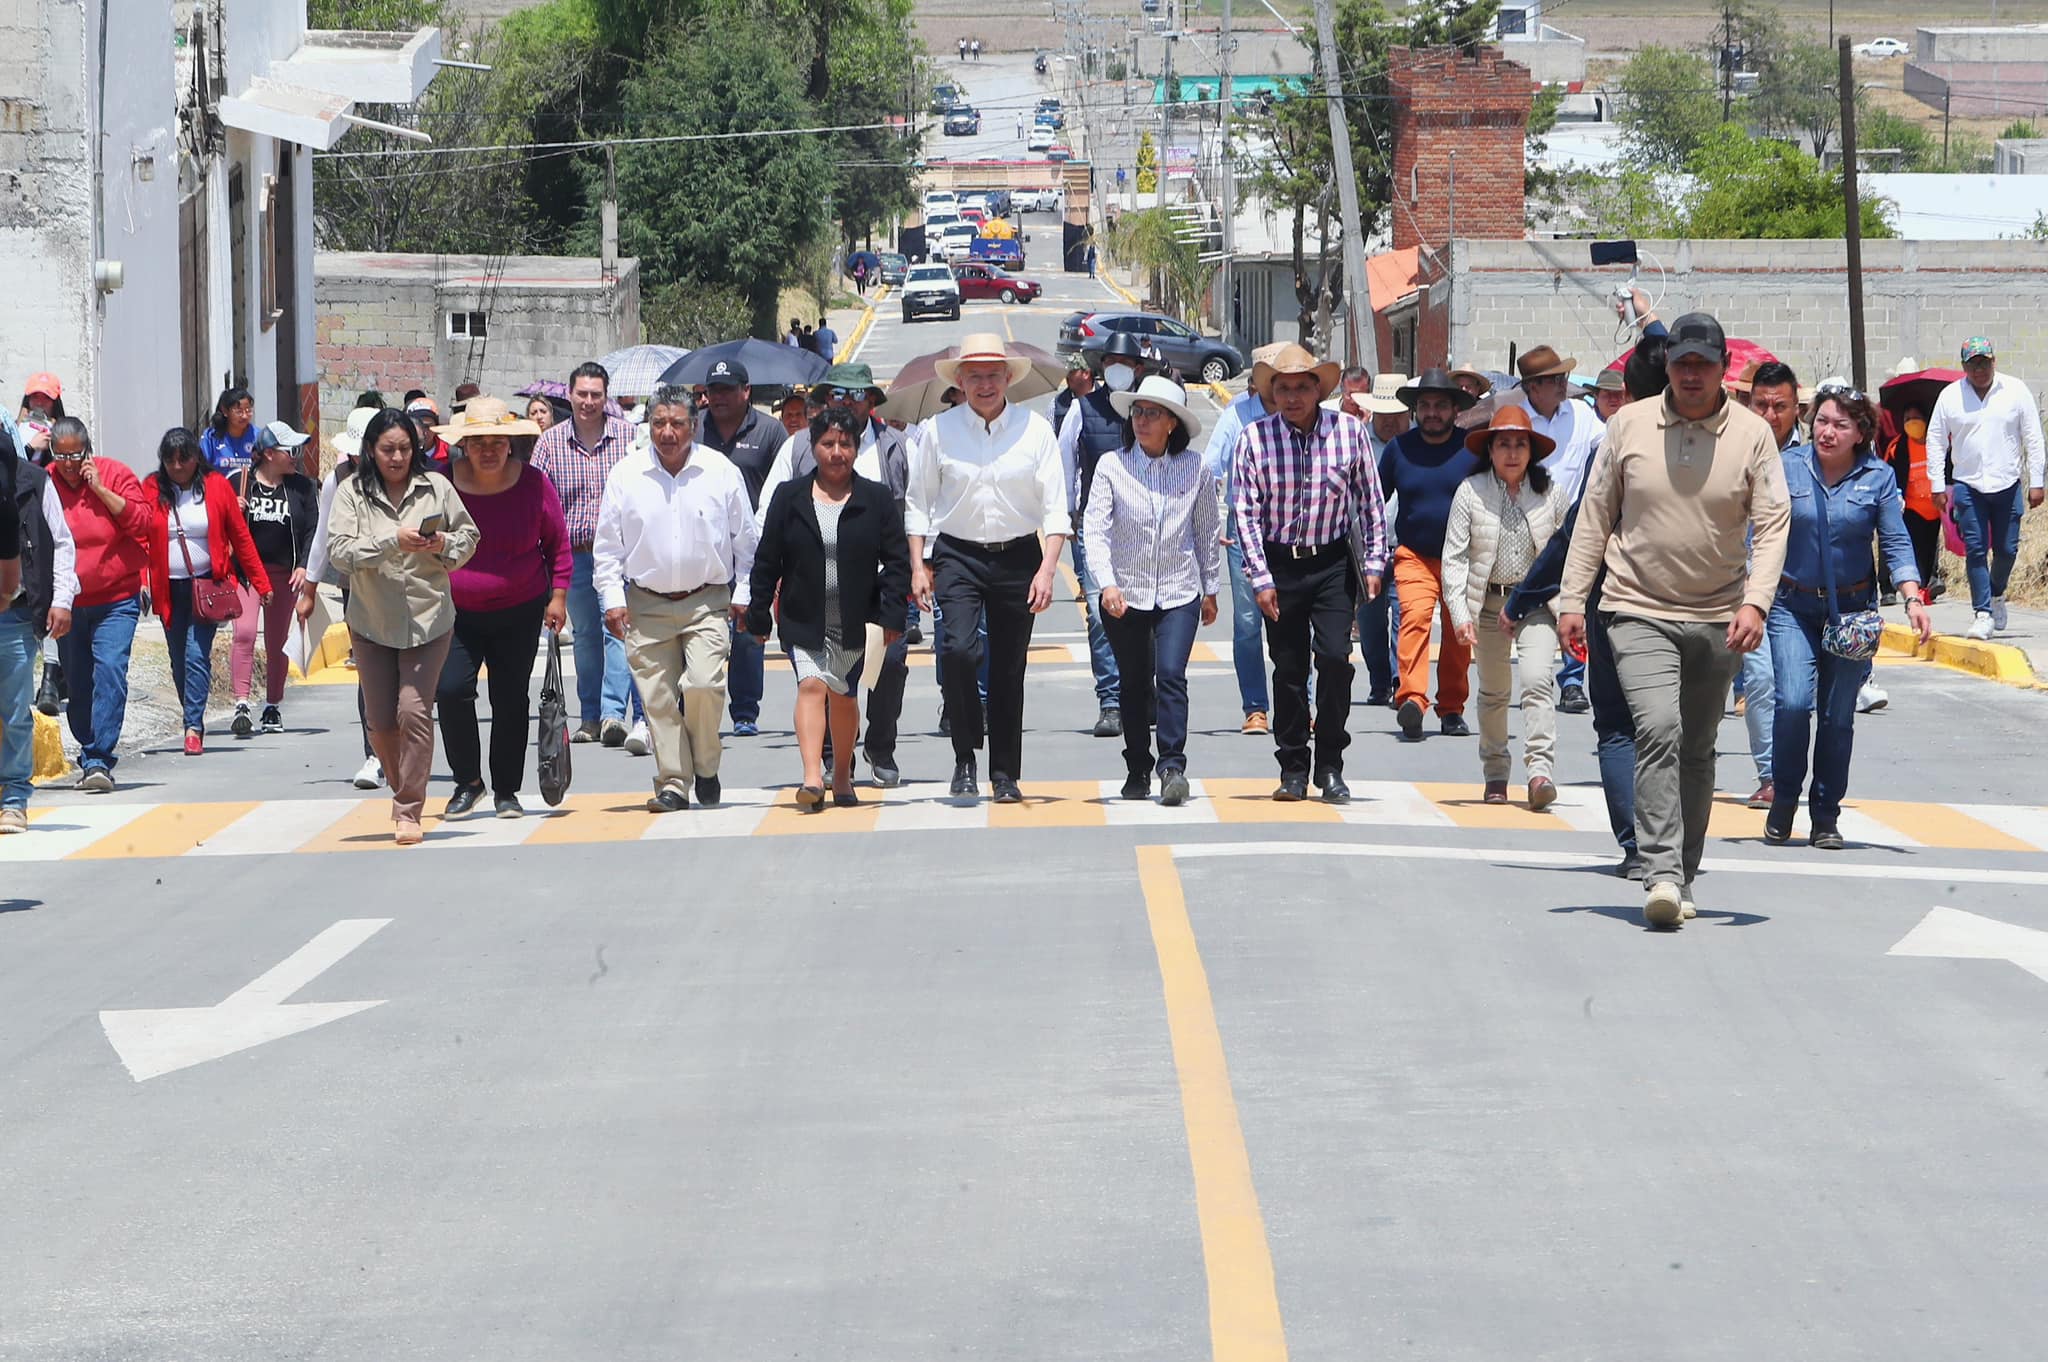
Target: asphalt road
(1079,1081)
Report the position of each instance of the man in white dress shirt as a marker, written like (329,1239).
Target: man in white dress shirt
(985,484)
(673,554)
(1986,431)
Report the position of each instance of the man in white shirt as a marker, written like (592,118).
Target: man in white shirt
(1986,432)
(985,485)
(674,552)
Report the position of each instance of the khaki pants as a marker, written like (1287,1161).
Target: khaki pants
(1675,675)
(1532,647)
(678,651)
(398,709)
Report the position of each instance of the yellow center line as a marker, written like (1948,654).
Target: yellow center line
(1244,1304)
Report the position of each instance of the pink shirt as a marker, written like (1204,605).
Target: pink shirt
(522,547)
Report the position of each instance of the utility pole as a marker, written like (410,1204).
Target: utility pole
(1225,283)
(1165,119)
(1852,216)
(1947,90)
(1727,62)
(1361,341)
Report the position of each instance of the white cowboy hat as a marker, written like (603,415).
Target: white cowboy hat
(1385,400)
(1160,391)
(348,441)
(486,416)
(982,346)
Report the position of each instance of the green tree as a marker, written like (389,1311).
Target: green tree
(874,59)
(1668,103)
(1797,95)
(1148,164)
(1883,130)
(736,210)
(2019,129)
(1756,188)
(384,15)
(1150,239)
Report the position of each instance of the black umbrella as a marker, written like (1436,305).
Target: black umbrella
(766,362)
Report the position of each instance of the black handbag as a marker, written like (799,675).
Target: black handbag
(553,761)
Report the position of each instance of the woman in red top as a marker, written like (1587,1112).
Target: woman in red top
(197,533)
(109,519)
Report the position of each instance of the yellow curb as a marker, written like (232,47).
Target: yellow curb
(860,328)
(49,763)
(2000,662)
(333,650)
(1121,291)
(1224,397)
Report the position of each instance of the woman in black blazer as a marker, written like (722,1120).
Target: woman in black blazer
(832,547)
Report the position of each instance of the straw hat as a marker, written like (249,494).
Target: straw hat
(980,347)
(1475,372)
(1510,417)
(1386,395)
(1160,392)
(1292,359)
(348,441)
(1543,362)
(485,416)
(1744,381)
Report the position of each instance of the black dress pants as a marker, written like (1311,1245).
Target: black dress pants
(1318,598)
(971,583)
(503,643)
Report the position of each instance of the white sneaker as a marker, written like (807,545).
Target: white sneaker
(1663,905)
(370,776)
(1981,628)
(636,740)
(1871,698)
(1998,617)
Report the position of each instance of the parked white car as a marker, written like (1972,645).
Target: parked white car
(954,241)
(940,201)
(1036,200)
(1041,138)
(1881,48)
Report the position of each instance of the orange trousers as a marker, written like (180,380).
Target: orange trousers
(1419,582)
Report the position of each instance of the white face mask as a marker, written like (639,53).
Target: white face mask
(1121,377)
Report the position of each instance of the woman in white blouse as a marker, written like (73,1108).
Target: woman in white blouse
(1153,534)
(1500,520)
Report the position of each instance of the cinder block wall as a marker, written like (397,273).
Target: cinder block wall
(1921,298)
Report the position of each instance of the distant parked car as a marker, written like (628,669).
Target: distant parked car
(963,121)
(930,290)
(954,241)
(944,97)
(1041,138)
(894,266)
(1036,200)
(1882,48)
(1059,151)
(979,280)
(1184,348)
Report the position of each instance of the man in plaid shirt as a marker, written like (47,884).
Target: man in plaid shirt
(578,455)
(1313,530)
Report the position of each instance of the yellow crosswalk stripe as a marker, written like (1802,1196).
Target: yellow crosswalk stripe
(99,830)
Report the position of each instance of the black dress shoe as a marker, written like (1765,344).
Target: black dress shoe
(1572,700)
(1778,826)
(1137,785)
(667,801)
(1410,719)
(1109,723)
(1826,837)
(50,695)
(1379,699)
(1005,790)
(1335,791)
(849,800)
(462,801)
(965,786)
(1293,789)
(708,789)
(1454,726)
(914,635)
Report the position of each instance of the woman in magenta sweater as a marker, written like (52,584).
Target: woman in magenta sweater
(517,583)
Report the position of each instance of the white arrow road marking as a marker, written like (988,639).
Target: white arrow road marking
(1952,934)
(154,1042)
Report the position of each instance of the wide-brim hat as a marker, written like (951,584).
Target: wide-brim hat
(1385,398)
(1473,371)
(1293,359)
(1543,362)
(1509,416)
(1160,391)
(982,347)
(1435,381)
(348,441)
(486,416)
(1746,380)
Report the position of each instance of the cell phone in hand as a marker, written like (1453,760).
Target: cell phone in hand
(431,526)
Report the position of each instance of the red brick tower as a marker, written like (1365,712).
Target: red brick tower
(1477,106)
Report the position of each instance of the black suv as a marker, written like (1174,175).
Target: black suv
(962,120)
(1184,349)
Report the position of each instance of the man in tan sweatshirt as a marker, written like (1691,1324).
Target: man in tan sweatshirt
(1681,486)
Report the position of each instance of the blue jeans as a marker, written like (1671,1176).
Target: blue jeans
(1247,630)
(191,643)
(1811,681)
(1152,650)
(1614,733)
(18,649)
(1760,706)
(1989,523)
(1572,673)
(603,681)
(1101,657)
(1379,619)
(95,660)
(746,677)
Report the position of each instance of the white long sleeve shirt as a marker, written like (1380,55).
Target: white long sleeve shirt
(673,533)
(987,481)
(1575,428)
(1153,530)
(1988,441)
(64,549)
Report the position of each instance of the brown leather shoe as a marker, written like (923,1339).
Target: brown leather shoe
(1542,793)
(1256,722)
(1766,794)
(1496,792)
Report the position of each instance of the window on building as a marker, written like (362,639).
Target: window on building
(467,325)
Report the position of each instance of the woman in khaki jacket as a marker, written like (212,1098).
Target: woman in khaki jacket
(396,530)
(1500,520)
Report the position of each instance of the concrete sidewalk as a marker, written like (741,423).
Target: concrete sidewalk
(2018,655)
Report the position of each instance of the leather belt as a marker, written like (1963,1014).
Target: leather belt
(1301,551)
(673,595)
(1000,546)
(1849,590)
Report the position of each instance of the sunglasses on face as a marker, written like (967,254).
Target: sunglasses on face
(1839,390)
(180,456)
(69,456)
(845,394)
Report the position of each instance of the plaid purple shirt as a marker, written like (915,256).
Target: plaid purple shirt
(579,473)
(1306,491)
